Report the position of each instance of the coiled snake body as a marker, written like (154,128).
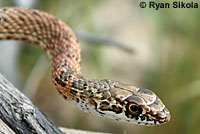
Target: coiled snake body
(106,98)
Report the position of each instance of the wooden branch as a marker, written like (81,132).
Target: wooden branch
(19,115)
(4,129)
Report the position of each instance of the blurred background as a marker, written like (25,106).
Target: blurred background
(166,59)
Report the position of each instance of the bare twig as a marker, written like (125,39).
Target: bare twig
(103,40)
(73,131)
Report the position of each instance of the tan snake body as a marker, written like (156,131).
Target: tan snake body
(106,98)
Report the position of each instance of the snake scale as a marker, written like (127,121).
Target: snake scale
(107,98)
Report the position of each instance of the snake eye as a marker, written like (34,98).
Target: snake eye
(134,109)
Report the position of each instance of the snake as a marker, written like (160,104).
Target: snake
(106,98)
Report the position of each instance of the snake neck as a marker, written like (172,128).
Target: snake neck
(89,95)
(70,83)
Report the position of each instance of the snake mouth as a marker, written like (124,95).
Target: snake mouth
(152,122)
(152,118)
(162,117)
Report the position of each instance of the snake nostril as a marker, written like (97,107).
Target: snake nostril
(167,118)
(161,114)
(163,119)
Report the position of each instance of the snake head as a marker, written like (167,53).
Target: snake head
(140,106)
